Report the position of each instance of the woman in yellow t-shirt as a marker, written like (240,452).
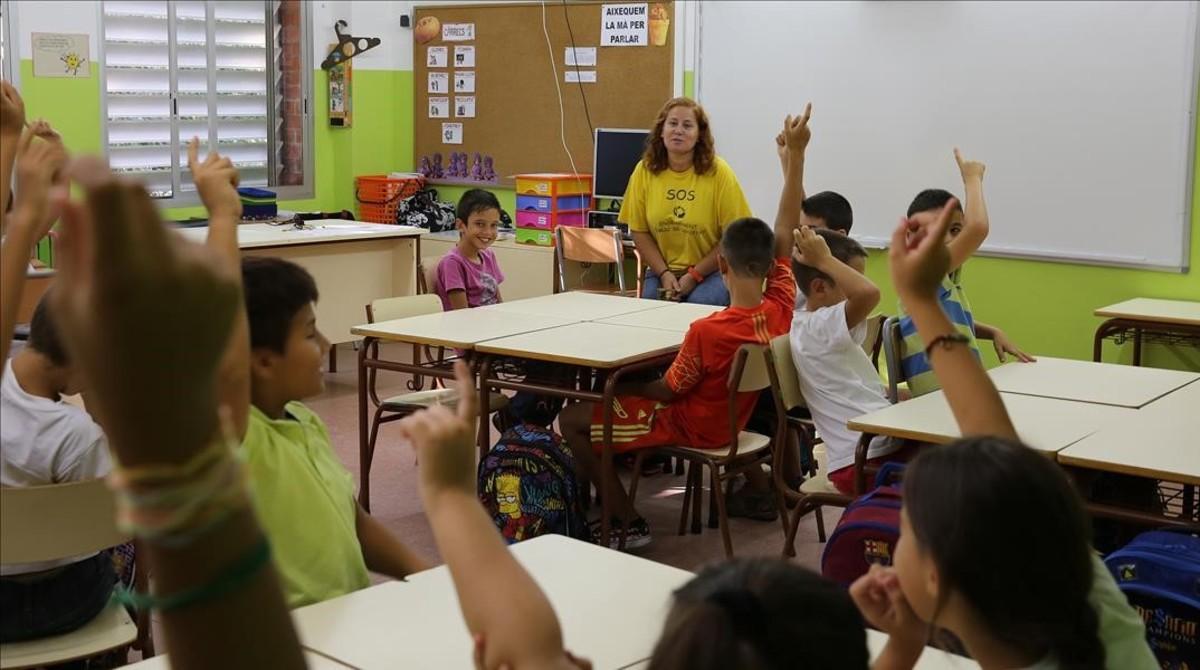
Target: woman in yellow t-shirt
(679,199)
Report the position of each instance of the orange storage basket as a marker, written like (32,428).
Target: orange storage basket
(379,195)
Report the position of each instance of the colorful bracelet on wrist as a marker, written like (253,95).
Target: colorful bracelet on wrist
(695,274)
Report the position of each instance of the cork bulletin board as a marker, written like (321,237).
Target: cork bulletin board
(515,115)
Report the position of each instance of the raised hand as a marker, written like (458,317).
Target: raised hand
(811,248)
(216,180)
(969,169)
(125,281)
(918,255)
(12,111)
(444,440)
(40,180)
(796,133)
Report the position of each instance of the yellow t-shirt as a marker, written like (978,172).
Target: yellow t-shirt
(684,211)
(304,499)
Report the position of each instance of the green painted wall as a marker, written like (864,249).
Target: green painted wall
(1045,307)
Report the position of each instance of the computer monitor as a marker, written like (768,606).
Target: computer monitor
(617,153)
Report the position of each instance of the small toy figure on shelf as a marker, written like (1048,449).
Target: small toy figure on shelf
(489,173)
(477,168)
(437,166)
(426,169)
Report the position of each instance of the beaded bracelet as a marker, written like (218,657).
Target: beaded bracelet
(945,341)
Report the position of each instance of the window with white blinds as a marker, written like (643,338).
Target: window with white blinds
(216,70)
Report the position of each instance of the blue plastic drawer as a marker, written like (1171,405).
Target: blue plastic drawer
(563,203)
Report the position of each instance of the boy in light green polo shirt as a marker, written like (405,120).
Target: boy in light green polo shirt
(323,542)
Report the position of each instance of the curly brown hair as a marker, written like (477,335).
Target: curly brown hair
(704,156)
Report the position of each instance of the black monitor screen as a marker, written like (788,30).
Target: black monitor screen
(617,154)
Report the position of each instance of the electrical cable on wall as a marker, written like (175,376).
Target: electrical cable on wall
(562,117)
(578,79)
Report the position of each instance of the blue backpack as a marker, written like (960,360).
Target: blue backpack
(1159,572)
(527,484)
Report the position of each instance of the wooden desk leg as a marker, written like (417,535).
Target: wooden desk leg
(1137,347)
(606,465)
(860,464)
(332,357)
(485,401)
(364,480)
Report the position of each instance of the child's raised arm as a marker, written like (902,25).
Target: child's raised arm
(975,219)
(491,585)
(919,261)
(216,181)
(795,135)
(862,295)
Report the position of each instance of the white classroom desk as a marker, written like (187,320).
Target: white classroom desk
(1046,424)
(590,344)
(352,262)
(1153,310)
(1162,441)
(672,316)
(313,660)
(1090,382)
(460,328)
(611,606)
(577,305)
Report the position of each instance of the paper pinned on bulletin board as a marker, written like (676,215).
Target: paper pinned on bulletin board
(464,56)
(464,82)
(464,106)
(624,25)
(341,93)
(452,133)
(439,108)
(439,82)
(580,76)
(437,56)
(580,56)
(60,55)
(458,32)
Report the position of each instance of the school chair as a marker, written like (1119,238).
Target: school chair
(816,490)
(45,523)
(590,245)
(397,407)
(753,370)
(893,352)
(872,343)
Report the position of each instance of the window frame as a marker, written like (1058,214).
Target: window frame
(11,71)
(186,198)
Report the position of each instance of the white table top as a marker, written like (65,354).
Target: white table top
(314,661)
(462,328)
(578,305)
(1152,309)
(611,606)
(672,316)
(1086,381)
(592,344)
(258,235)
(1046,424)
(1160,441)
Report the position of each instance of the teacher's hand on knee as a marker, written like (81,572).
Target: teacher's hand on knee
(686,285)
(670,285)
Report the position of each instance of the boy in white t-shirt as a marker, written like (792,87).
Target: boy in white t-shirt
(836,376)
(44,440)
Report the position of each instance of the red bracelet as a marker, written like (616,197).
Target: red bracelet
(695,275)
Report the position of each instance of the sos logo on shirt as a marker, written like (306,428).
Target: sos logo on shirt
(681,194)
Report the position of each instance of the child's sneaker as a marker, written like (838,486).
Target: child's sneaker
(638,536)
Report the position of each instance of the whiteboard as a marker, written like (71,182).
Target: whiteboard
(1082,111)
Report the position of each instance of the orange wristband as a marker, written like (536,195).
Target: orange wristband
(695,275)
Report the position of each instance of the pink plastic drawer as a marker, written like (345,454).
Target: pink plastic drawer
(547,221)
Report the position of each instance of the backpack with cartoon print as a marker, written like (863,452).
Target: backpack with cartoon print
(527,485)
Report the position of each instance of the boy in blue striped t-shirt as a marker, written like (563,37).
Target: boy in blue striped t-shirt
(967,232)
